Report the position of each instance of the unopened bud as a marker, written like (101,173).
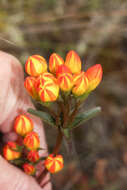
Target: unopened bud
(23,125)
(54,164)
(54,61)
(73,62)
(36,65)
(31,141)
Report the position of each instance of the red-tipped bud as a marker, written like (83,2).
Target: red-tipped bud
(73,62)
(31,141)
(36,65)
(65,81)
(62,69)
(29,169)
(23,125)
(33,156)
(54,61)
(11,151)
(48,92)
(80,84)
(94,75)
(54,164)
(30,87)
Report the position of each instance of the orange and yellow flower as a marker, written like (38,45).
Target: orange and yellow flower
(23,125)
(44,78)
(62,69)
(31,141)
(65,81)
(73,62)
(48,91)
(29,169)
(33,156)
(54,61)
(30,86)
(54,164)
(94,75)
(80,84)
(10,151)
(35,65)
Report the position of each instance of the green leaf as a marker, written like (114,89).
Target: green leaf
(83,117)
(47,118)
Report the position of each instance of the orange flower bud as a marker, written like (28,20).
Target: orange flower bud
(80,84)
(10,151)
(94,75)
(44,78)
(31,141)
(48,91)
(54,61)
(36,65)
(65,81)
(33,156)
(73,62)
(62,69)
(54,164)
(29,169)
(23,125)
(30,86)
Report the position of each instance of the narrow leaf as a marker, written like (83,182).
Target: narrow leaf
(83,117)
(47,118)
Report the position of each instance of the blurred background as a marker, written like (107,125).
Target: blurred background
(97,31)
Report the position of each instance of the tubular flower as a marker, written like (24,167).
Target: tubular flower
(80,84)
(36,65)
(31,141)
(10,151)
(33,156)
(94,75)
(62,69)
(65,81)
(30,86)
(54,61)
(54,164)
(73,62)
(23,125)
(48,91)
(29,169)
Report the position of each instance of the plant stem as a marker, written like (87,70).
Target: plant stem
(58,142)
(73,114)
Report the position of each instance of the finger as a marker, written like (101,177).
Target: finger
(12,178)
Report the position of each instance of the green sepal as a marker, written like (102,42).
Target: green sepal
(83,97)
(46,104)
(66,132)
(47,118)
(41,149)
(17,162)
(83,117)
(18,148)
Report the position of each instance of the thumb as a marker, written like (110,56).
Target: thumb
(11,178)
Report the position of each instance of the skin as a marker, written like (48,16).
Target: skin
(14,101)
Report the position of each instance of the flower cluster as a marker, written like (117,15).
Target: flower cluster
(24,154)
(45,83)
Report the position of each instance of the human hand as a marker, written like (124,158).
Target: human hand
(15,101)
